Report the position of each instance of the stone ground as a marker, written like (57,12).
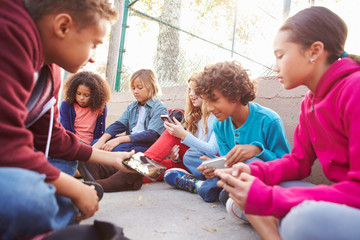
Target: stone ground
(157,211)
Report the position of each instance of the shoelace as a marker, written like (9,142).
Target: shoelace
(186,182)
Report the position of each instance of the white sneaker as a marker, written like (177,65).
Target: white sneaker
(235,212)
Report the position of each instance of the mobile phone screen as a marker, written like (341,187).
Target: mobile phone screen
(166,118)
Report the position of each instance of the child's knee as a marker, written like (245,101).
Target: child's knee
(27,199)
(297,224)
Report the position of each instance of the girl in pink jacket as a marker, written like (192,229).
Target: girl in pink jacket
(309,51)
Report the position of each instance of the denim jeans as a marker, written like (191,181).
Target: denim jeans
(127,147)
(29,206)
(67,210)
(192,161)
(68,167)
(209,191)
(320,220)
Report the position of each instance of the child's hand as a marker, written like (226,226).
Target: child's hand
(111,144)
(235,170)
(83,196)
(241,153)
(86,201)
(174,154)
(207,172)
(98,145)
(238,188)
(119,157)
(176,130)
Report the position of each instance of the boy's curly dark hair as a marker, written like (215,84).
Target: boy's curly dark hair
(100,90)
(230,78)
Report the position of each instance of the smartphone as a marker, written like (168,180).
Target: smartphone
(218,162)
(167,118)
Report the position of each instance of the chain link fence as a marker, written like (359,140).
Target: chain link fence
(176,38)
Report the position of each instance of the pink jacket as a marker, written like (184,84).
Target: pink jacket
(328,130)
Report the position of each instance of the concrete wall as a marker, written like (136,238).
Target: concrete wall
(270,94)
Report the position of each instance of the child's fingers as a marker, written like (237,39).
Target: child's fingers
(176,121)
(201,168)
(224,185)
(224,170)
(204,157)
(245,177)
(228,179)
(238,168)
(167,124)
(128,154)
(176,148)
(209,172)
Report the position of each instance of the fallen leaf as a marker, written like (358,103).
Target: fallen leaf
(139,198)
(210,229)
(186,218)
(221,218)
(213,206)
(159,231)
(138,204)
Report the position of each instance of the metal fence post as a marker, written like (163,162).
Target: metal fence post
(122,45)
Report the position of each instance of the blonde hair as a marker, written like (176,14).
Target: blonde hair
(148,79)
(194,114)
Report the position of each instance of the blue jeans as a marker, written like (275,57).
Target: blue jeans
(192,161)
(68,167)
(66,207)
(29,206)
(321,220)
(210,192)
(127,147)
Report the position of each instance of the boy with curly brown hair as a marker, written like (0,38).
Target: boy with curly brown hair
(245,131)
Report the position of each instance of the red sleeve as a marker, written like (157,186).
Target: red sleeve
(20,57)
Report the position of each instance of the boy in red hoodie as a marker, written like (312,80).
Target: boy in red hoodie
(36,35)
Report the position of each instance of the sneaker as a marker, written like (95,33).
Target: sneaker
(85,173)
(235,212)
(98,188)
(223,197)
(180,178)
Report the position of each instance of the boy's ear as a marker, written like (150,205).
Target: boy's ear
(62,24)
(316,50)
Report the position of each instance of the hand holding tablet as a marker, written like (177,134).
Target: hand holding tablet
(217,163)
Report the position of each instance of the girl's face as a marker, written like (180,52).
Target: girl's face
(293,64)
(195,100)
(83,94)
(140,92)
(221,107)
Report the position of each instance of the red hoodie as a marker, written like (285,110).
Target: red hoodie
(21,56)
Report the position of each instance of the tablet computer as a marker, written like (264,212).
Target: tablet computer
(145,166)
